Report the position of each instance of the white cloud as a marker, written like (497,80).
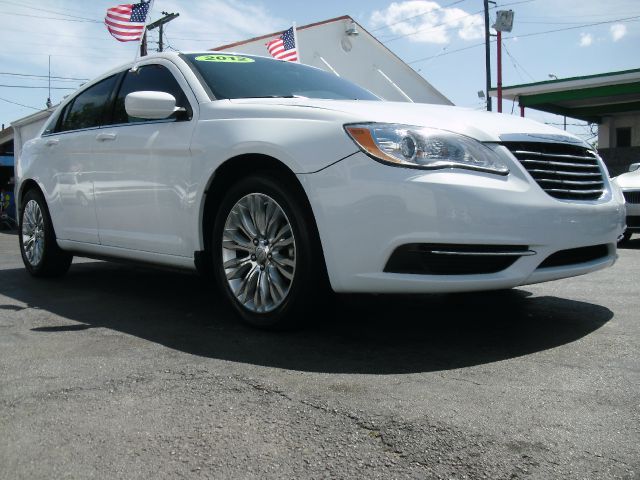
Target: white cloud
(586,39)
(427,22)
(618,30)
(205,25)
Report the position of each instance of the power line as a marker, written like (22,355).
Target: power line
(517,64)
(572,16)
(415,16)
(50,18)
(66,9)
(433,27)
(31,52)
(42,76)
(626,19)
(19,104)
(47,11)
(35,86)
(54,34)
(41,44)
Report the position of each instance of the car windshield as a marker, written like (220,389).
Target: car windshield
(240,76)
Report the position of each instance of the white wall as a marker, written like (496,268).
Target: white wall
(27,128)
(358,58)
(607,130)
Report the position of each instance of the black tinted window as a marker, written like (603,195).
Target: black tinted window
(241,76)
(87,109)
(155,78)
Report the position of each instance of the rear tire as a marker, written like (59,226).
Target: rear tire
(266,256)
(40,252)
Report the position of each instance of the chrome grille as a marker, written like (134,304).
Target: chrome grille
(568,172)
(632,197)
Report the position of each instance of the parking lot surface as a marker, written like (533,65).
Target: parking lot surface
(116,371)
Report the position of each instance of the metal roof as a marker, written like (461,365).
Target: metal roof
(589,97)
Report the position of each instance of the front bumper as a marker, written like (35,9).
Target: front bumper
(633,217)
(365,210)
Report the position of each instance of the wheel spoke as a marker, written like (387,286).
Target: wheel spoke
(233,241)
(239,272)
(235,262)
(259,216)
(261,275)
(247,221)
(277,283)
(283,234)
(248,285)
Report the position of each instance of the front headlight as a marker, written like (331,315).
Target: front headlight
(420,147)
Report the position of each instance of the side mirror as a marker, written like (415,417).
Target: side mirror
(634,166)
(150,105)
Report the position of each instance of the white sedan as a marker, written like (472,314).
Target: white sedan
(629,183)
(280,180)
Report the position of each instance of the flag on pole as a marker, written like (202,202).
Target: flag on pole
(284,47)
(127,22)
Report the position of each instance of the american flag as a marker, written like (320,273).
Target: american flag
(284,47)
(126,22)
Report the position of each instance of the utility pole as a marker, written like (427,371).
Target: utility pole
(160,24)
(487,50)
(143,44)
(504,23)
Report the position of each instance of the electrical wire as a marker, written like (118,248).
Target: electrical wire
(416,16)
(43,76)
(19,104)
(53,34)
(433,27)
(517,64)
(47,11)
(50,18)
(37,86)
(626,19)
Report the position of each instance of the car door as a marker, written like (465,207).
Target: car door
(142,167)
(69,144)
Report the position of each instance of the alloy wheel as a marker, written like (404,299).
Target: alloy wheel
(259,253)
(33,232)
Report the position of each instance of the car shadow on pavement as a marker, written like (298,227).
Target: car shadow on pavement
(357,334)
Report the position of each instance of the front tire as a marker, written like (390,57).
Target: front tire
(265,255)
(40,252)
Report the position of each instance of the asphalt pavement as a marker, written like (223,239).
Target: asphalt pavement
(117,371)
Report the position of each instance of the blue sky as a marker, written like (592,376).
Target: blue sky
(71,31)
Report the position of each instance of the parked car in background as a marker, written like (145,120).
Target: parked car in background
(282,180)
(629,183)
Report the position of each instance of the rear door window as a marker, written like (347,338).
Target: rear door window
(88,108)
(156,78)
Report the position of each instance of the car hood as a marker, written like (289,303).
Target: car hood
(628,180)
(481,125)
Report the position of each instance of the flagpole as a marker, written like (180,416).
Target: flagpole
(143,37)
(295,38)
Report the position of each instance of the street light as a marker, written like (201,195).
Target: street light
(504,23)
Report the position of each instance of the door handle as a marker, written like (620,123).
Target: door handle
(51,142)
(102,137)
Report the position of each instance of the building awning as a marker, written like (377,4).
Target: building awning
(586,98)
